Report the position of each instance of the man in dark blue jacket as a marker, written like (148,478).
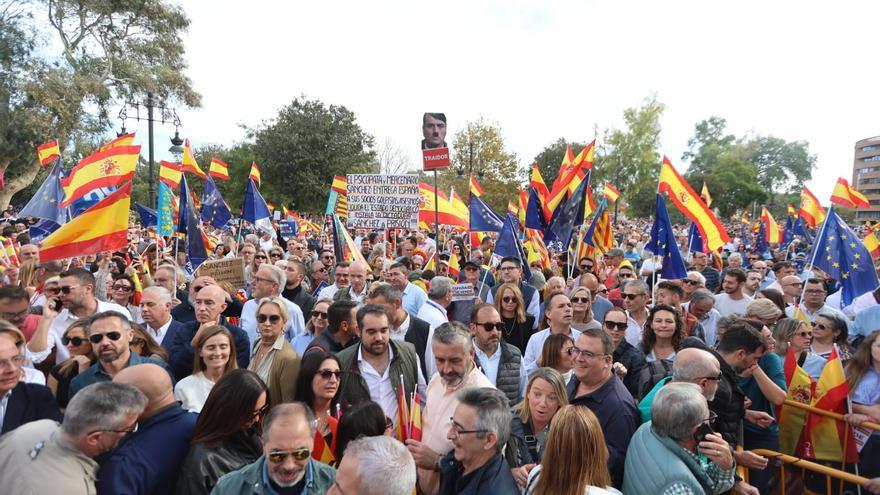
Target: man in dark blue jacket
(20,402)
(148,460)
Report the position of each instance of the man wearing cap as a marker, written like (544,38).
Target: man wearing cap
(470,274)
(612,263)
(625,273)
(511,272)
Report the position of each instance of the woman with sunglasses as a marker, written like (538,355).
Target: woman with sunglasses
(556,355)
(863,378)
(517,323)
(215,356)
(545,394)
(260,257)
(227,433)
(625,356)
(81,357)
(272,357)
(582,310)
(663,334)
(316,325)
(275,254)
(794,334)
(121,292)
(316,386)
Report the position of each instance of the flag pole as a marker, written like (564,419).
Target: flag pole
(436,210)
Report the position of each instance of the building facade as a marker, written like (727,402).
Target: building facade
(866,176)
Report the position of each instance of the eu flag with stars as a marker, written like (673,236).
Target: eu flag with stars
(535,212)
(663,243)
(214,209)
(482,218)
(189,223)
(839,252)
(148,215)
(567,221)
(695,240)
(45,202)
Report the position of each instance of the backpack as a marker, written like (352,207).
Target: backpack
(651,374)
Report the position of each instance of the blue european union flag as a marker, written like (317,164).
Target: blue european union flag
(695,239)
(761,244)
(573,209)
(255,210)
(148,215)
(44,203)
(663,243)
(482,217)
(214,209)
(196,252)
(508,244)
(839,252)
(535,212)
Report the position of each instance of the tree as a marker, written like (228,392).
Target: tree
(502,177)
(783,167)
(110,52)
(392,159)
(308,143)
(550,158)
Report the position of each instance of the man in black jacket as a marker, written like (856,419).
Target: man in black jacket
(20,402)
(294,291)
(404,326)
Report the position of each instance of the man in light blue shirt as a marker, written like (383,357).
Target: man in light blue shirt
(268,282)
(501,362)
(413,297)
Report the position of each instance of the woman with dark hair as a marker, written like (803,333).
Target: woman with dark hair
(773,295)
(556,355)
(214,357)
(316,386)
(146,346)
(81,357)
(121,292)
(664,331)
(517,324)
(361,420)
(863,377)
(227,433)
(626,356)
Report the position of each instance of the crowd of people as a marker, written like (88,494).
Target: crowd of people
(123,372)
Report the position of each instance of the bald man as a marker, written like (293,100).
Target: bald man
(691,365)
(148,460)
(209,303)
(792,285)
(357,288)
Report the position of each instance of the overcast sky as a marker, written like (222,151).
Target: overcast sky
(545,69)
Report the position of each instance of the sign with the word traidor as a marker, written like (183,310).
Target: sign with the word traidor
(380,201)
(226,270)
(462,292)
(436,158)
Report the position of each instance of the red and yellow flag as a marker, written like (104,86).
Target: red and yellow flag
(825,437)
(521,206)
(123,140)
(538,251)
(448,215)
(704,195)
(48,153)
(610,192)
(189,164)
(340,183)
(402,413)
(687,201)
(791,420)
(255,173)
(872,243)
(461,209)
(170,173)
(791,211)
(847,196)
(415,423)
(218,169)
(476,188)
(322,452)
(454,268)
(102,169)
(565,167)
(573,175)
(536,182)
(103,227)
(811,211)
(774,233)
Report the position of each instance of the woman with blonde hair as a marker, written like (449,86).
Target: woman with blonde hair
(27,276)
(516,323)
(764,310)
(575,460)
(273,358)
(582,309)
(545,394)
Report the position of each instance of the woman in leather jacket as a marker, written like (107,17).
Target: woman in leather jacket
(227,433)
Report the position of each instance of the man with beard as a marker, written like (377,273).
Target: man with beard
(286,465)
(753,282)
(732,301)
(500,361)
(373,369)
(110,334)
(454,359)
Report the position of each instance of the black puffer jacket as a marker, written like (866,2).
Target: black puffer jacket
(633,360)
(204,465)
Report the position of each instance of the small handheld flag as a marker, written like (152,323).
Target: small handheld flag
(219,169)
(255,173)
(48,153)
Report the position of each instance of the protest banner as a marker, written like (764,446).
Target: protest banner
(226,270)
(462,292)
(380,201)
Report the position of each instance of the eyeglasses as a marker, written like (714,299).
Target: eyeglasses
(575,352)
(711,419)
(489,326)
(580,299)
(273,319)
(260,257)
(806,335)
(794,284)
(688,281)
(131,429)
(631,296)
(124,288)
(326,374)
(625,275)
(602,291)
(319,314)
(619,325)
(259,413)
(322,269)
(76,341)
(261,279)
(509,299)
(52,290)
(275,255)
(459,430)
(15,316)
(96,338)
(329,257)
(65,289)
(279,456)
(508,268)
(586,267)
(821,326)
(14,362)
(713,378)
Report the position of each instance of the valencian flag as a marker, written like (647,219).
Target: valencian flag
(322,452)
(825,438)
(48,153)
(610,192)
(218,169)
(772,230)
(123,140)
(847,196)
(103,227)
(188,162)
(214,210)
(687,201)
(255,174)
(791,420)
(165,212)
(483,218)
(170,173)
(841,254)
(512,208)
(663,243)
(537,249)
(475,187)
(599,234)
(102,169)
(811,211)
(704,195)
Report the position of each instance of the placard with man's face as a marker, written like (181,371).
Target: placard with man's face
(434,130)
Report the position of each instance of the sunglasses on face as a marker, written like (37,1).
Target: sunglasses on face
(630,296)
(586,267)
(259,413)
(96,338)
(490,326)
(319,314)
(123,288)
(67,288)
(273,319)
(275,255)
(508,299)
(260,257)
(806,335)
(75,341)
(326,374)
(625,275)
(620,326)
(580,299)
(688,281)
(277,456)
(52,290)
(713,378)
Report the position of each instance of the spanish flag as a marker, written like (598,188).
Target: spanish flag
(415,423)
(791,420)
(48,153)
(687,201)
(448,215)
(458,204)
(103,227)
(123,140)
(476,189)
(847,196)
(189,163)
(704,194)
(872,243)
(571,175)
(536,182)
(811,211)
(565,168)
(321,452)
(610,193)
(827,439)
(454,267)
(402,413)
(102,169)
(255,173)
(219,169)
(791,211)
(774,233)
(170,173)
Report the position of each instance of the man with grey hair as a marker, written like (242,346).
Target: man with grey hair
(375,466)
(357,284)
(693,281)
(454,360)
(434,312)
(286,465)
(480,428)
(636,296)
(702,305)
(155,309)
(268,282)
(43,457)
(664,454)
(692,365)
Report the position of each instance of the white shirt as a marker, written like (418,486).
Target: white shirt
(536,345)
(296,325)
(727,306)
(4,402)
(435,315)
(159,333)
(192,392)
(31,375)
(64,319)
(490,365)
(399,333)
(328,291)
(381,391)
(633,331)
